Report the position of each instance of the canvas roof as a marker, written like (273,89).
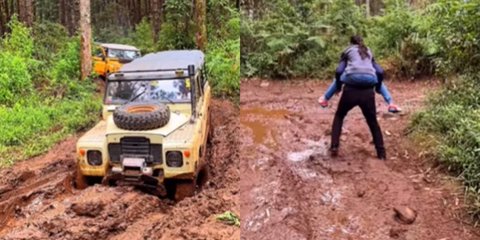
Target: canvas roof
(118,46)
(152,64)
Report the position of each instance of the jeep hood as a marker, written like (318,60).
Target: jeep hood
(176,121)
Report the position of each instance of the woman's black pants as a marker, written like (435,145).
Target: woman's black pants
(365,99)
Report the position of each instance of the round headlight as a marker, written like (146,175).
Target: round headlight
(174,159)
(94,157)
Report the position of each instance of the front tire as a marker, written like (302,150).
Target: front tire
(184,189)
(81,181)
(179,189)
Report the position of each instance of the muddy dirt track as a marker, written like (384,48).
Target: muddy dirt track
(292,189)
(37,200)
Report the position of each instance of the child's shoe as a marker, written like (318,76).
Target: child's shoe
(394,108)
(323,102)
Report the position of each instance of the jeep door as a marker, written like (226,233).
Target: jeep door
(99,62)
(203,102)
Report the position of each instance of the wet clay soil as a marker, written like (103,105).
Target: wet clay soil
(37,200)
(292,189)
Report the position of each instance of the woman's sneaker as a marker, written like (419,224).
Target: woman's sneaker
(381,154)
(334,151)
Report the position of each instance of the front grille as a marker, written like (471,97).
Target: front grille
(135,146)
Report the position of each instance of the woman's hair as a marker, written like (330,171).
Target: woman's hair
(362,49)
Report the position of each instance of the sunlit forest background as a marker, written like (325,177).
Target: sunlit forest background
(414,40)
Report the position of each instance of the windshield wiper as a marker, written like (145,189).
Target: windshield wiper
(135,97)
(170,100)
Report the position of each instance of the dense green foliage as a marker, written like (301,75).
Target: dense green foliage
(41,99)
(294,40)
(306,39)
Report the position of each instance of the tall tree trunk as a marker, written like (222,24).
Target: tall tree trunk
(200,14)
(76,16)
(367,5)
(156,18)
(7,12)
(20,9)
(62,15)
(2,18)
(138,11)
(29,12)
(85,38)
(147,10)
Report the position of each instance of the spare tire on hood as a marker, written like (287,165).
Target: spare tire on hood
(141,116)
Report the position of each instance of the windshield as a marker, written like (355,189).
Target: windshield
(123,54)
(166,91)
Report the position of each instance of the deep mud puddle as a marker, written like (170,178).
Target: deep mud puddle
(262,131)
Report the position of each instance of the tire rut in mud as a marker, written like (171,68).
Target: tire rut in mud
(37,200)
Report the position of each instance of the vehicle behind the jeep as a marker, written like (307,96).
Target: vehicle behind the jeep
(109,57)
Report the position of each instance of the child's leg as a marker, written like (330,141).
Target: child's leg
(386,94)
(331,90)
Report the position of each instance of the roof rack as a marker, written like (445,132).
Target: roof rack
(154,70)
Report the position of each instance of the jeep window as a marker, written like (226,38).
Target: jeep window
(98,52)
(123,54)
(165,91)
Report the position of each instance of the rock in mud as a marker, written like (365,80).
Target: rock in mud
(405,215)
(361,193)
(264,84)
(89,209)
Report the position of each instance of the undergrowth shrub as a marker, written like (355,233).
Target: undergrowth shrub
(455,27)
(15,78)
(452,122)
(41,98)
(223,50)
(223,67)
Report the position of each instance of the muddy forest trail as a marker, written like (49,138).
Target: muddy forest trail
(292,189)
(38,201)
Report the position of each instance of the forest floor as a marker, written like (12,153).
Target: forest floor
(38,201)
(292,189)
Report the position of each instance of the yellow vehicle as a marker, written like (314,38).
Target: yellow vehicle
(109,57)
(155,126)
